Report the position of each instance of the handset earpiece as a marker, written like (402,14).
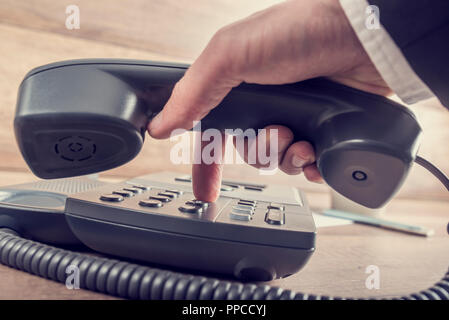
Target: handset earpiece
(79,118)
(85,116)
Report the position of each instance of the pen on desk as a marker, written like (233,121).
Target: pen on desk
(382,223)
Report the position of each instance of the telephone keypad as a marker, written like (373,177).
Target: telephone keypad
(240,229)
(238,210)
(255,213)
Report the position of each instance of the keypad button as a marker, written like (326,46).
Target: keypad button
(226,188)
(141,187)
(253,188)
(274,216)
(235,186)
(190,209)
(246,204)
(124,193)
(160,198)
(111,198)
(134,190)
(177,192)
(253,202)
(168,195)
(276,206)
(184,179)
(243,209)
(198,203)
(240,216)
(150,203)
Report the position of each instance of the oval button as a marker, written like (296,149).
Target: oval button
(150,203)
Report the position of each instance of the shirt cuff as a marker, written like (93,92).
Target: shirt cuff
(385,54)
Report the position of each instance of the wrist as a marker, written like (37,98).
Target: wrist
(346,51)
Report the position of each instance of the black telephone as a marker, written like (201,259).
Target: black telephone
(365,145)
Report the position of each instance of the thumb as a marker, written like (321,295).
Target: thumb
(201,89)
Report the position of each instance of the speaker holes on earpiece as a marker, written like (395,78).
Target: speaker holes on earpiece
(75,148)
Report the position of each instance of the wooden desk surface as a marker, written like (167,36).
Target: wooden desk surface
(407,263)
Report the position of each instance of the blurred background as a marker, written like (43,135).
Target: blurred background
(34,33)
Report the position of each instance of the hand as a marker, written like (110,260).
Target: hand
(289,42)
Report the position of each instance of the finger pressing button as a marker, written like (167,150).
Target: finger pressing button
(198,203)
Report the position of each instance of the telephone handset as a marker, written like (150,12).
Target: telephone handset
(85,116)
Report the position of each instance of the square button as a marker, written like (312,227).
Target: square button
(275,217)
(240,216)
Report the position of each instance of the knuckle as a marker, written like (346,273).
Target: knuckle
(221,40)
(224,50)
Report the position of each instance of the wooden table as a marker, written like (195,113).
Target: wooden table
(407,263)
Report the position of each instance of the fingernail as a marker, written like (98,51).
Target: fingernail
(298,162)
(156,122)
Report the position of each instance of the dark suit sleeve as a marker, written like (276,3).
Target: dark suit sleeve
(420,28)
